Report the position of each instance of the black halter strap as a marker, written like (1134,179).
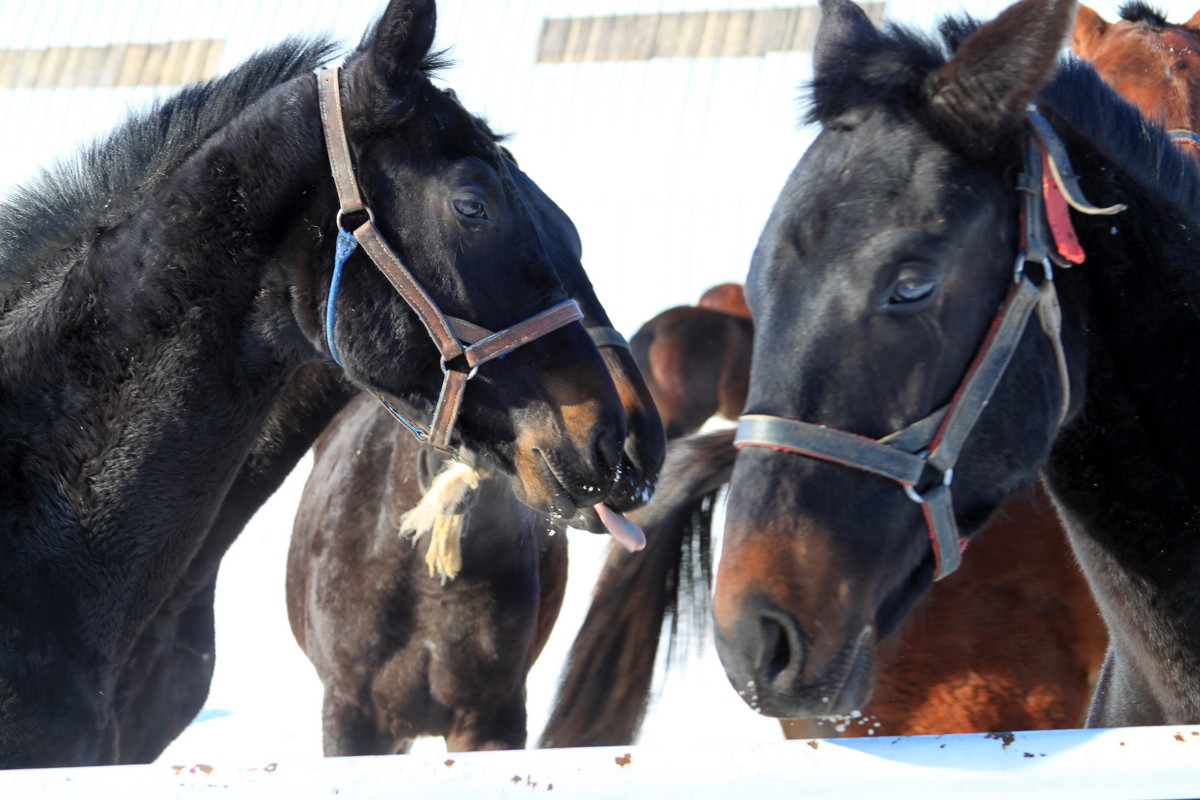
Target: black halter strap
(935,442)
(453,337)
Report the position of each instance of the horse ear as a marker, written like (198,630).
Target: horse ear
(982,92)
(1193,23)
(845,29)
(1089,26)
(402,40)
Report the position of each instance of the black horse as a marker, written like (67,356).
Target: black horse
(159,296)
(892,346)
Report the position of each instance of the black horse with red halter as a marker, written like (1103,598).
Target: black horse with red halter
(922,456)
(453,337)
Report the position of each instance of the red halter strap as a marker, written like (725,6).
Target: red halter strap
(453,337)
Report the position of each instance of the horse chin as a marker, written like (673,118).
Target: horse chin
(894,608)
(587,519)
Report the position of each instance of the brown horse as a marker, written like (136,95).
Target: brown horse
(727,297)
(1020,592)
(696,361)
(1150,62)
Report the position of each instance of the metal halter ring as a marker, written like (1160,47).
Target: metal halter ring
(367,209)
(470,374)
(917,497)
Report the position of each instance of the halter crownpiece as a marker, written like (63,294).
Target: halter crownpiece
(453,337)
(933,444)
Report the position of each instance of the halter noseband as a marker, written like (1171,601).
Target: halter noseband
(453,337)
(1048,185)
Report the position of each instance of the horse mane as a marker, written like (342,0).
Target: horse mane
(891,70)
(95,190)
(1149,16)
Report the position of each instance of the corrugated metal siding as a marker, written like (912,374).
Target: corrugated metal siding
(168,64)
(684,34)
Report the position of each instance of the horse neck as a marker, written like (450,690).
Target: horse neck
(219,244)
(1136,303)
(1125,471)
(173,332)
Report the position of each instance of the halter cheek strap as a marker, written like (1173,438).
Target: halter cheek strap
(453,337)
(1047,185)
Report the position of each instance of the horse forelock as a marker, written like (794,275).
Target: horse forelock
(888,71)
(80,196)
(1144,13)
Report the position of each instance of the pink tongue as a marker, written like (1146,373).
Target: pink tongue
(629,535)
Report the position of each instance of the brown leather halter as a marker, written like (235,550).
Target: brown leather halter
(932,445)
(453,337)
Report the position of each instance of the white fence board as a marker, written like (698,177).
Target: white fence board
(1114,764)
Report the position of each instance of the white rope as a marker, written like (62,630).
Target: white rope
(442,513)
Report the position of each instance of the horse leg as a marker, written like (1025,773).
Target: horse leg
(504,728)
(350,730)
(165,683)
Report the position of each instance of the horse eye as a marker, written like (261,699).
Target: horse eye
(912,290)
(471,208)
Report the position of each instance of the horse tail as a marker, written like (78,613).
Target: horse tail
(603,694)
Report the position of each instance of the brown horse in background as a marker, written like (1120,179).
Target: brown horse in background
(727,297)
(696,362)
(1019,593)
(1150,62)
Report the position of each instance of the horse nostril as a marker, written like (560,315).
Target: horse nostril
(782,650)
(608,447)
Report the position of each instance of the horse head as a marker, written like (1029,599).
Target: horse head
(1151,63)
(445,201)
(886,261)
